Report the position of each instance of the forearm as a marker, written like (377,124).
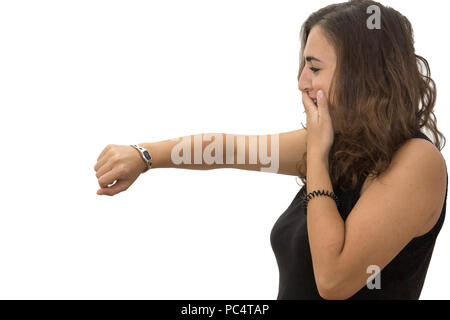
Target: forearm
(216,150)
(326,228)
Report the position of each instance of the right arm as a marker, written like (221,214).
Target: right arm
(118,166)
(291,147)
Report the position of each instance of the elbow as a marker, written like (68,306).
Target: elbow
(331,288)
(330,294)
(327,291)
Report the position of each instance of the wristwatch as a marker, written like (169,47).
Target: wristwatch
(145,155)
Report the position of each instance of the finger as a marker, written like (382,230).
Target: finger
(109,177)
(310,107)
(107,157)
(100,163)
(107,166)
(120,186)
(322,104)
(105,150)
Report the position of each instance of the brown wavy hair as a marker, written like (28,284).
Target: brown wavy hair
(381,92)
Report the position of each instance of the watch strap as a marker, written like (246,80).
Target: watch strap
(145,155)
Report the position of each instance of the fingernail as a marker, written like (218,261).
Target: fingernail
(320,94)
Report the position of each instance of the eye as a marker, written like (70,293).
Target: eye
(314,70)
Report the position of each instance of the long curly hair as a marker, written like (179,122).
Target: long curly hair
(381,92)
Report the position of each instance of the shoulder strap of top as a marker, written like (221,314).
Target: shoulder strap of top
(420,134)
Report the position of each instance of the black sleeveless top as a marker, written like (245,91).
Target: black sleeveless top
(402,278)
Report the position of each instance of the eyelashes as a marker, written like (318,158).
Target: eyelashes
(314,70)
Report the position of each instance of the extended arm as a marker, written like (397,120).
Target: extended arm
(118,166)
(277,153)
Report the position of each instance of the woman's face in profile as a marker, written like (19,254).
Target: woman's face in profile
(320,63)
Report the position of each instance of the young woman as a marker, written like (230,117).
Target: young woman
(375,186)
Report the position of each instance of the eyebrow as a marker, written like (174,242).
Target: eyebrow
(309,59)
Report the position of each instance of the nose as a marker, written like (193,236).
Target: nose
(304,82)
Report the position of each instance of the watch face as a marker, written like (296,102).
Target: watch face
(147,156)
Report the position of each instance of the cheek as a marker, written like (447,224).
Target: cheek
(320,84)
(323,82)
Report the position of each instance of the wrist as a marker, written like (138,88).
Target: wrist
(151,148)
(145,156)
(315,157)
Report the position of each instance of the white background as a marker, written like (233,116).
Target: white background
(76,76)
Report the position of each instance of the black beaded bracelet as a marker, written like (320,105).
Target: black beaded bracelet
(318,193)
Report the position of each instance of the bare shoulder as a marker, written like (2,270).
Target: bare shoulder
(435,175)
(421,160)
(426,157)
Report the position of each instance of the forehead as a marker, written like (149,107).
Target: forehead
(319,47)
